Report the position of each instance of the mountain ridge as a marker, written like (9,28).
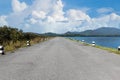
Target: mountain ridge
(99,31)
(104,31)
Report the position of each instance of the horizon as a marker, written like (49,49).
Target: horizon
(112,28)
(59,16)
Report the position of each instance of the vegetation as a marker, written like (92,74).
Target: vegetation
(13,38)
(72,34)
(112,50)
(108,49)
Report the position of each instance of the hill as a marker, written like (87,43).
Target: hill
(104,31)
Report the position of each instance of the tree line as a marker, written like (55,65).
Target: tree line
(8,34)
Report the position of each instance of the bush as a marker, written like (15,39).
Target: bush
(13,38)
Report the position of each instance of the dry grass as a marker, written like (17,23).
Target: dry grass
(12,46)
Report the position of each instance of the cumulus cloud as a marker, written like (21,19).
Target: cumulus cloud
(3,20)
(49,16)
(73,14)
(111,20)
(105,10)
(33,21)
(39,14)
(17,6)
(58,13)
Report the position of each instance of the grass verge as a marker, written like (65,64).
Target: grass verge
(112,50)
(12,46)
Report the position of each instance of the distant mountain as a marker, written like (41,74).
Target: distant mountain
(50,34)
(104,31)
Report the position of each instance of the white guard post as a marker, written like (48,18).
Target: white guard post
(118,48)
(83,40)
(93,43)
(2,50)
(28,43)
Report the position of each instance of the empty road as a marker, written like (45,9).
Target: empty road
(60,59)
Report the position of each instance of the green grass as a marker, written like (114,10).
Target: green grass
(111,50)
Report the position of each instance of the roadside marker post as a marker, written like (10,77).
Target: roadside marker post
(2,50)
(28,43)
(93,43)
(118,48)
(83,40)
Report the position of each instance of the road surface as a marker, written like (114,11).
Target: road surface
(60,59)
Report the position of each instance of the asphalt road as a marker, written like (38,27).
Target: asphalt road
(60,59)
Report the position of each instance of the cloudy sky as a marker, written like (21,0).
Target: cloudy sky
(59,16)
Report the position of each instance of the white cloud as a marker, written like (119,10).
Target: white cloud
(85,9)
(39,14)
(105,10)
(73,14)
(3,20)
(58,13)
(33,21)
(49,16)
(17,6)
(111,20)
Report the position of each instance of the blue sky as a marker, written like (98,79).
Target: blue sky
(49,15)
(6,8)
(93,5)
